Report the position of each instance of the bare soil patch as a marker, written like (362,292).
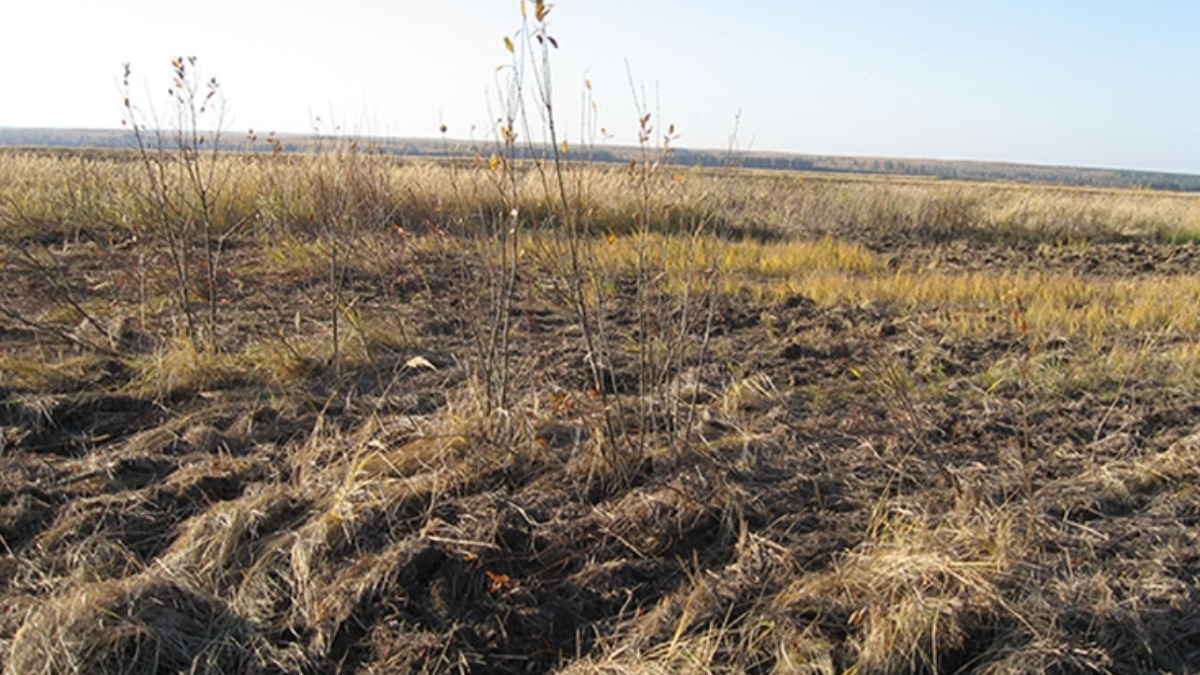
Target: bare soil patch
(857,493)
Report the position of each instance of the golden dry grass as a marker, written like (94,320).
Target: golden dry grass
(56,192)
(830,424)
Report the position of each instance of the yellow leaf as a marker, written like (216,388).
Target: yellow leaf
(564,147)
(522,7)
(493,162)
(508,44)
(419,362)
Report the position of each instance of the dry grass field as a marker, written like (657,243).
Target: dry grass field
(339,412)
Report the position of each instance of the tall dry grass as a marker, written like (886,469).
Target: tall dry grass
(766,236)
(60,196)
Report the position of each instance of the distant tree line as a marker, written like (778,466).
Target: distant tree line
(959,170)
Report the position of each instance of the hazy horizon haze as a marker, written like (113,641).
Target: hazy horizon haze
(1100,84)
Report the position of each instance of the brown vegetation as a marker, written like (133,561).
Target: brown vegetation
(338,412)
(895,426)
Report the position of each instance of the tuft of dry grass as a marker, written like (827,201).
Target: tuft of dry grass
(139,625)
(916,594)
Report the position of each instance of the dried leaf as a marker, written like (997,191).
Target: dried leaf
(497,580)
(419,362)
(508,44)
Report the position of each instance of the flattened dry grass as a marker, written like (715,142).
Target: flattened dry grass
(916,592)
(900,464)
(144,624)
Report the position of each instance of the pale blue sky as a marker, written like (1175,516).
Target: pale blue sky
(1092,83)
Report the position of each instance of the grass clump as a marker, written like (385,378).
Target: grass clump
(143,625)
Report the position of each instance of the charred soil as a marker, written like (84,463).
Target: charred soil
(832,485)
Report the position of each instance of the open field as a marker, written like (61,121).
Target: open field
(338,412)
(48,139)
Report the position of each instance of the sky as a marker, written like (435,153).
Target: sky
(1061,82)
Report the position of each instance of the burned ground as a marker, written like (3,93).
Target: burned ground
(825,486)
